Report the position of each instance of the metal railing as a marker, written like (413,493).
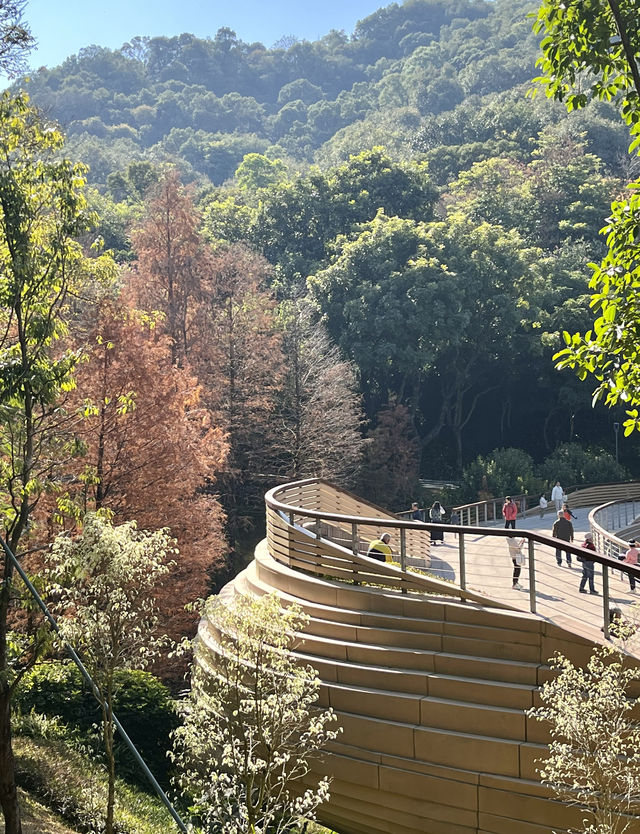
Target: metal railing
(92,686)
(482,512)
(472,563)
(605,521)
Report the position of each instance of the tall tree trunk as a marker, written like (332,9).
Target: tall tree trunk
(107,727)
(8,792)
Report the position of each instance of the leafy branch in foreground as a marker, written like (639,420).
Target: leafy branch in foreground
(590,51)
(594,755)
(250,730)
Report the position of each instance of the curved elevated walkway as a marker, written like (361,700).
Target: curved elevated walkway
(430,683)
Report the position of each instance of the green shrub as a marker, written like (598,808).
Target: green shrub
(572,465)
(500,472)
(142,704)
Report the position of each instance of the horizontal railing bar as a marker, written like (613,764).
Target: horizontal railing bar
(397,524)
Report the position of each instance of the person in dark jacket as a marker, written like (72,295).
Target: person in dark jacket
(562,529)
(588,567)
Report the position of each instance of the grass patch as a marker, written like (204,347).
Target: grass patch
(72,785)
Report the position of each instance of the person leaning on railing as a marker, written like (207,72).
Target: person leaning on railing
(379,548)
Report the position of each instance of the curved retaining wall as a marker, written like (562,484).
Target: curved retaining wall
(431,694)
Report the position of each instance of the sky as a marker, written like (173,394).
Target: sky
(63,27)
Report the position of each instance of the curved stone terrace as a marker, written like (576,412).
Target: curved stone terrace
(431,673)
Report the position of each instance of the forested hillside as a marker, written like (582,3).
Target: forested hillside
(393,187)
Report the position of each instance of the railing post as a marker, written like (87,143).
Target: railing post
(463,567)
(605,600)
(354,549)
(291,517)
(403,555)
(532,576)
(477,517)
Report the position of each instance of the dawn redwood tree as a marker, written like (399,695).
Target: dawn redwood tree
(150,447)
(241,367)
(391,466)
(42,209)
(171,261)
(320,412)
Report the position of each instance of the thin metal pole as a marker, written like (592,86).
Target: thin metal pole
(403,554)
(94,689)
(477,517)
(463,569)
(354,550)
(532,576)
(605,600)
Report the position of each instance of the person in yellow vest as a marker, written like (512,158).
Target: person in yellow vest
(379,549)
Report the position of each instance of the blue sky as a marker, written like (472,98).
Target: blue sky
(62,27)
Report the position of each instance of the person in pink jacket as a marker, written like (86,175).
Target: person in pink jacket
(509,512)
(631,558)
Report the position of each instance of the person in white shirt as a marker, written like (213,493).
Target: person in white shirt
(558,496)
(543,505)
(517,558)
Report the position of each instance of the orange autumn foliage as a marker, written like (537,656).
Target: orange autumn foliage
(150,449)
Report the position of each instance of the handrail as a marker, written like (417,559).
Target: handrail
(606,540)
(92,686)
(290,505)
(479,510)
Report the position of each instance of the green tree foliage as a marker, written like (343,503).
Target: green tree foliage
(297,221)
(406,301)
(42,208)
(602,39)
(104,582)
(142,703)
(250,729)
(500,472)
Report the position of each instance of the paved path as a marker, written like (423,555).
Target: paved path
(489,570)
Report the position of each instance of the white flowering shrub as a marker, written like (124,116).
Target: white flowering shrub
(594,757)
(250,729)
(104,585)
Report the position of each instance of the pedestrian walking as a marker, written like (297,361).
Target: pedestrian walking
(562,529)
(588,567)
(416,512)
(557,496)
(542,503)
(509,513)
(631,558)
(517,558)
(436,514)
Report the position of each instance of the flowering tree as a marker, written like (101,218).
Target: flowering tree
(105,582)
(249,730)
(594,759)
